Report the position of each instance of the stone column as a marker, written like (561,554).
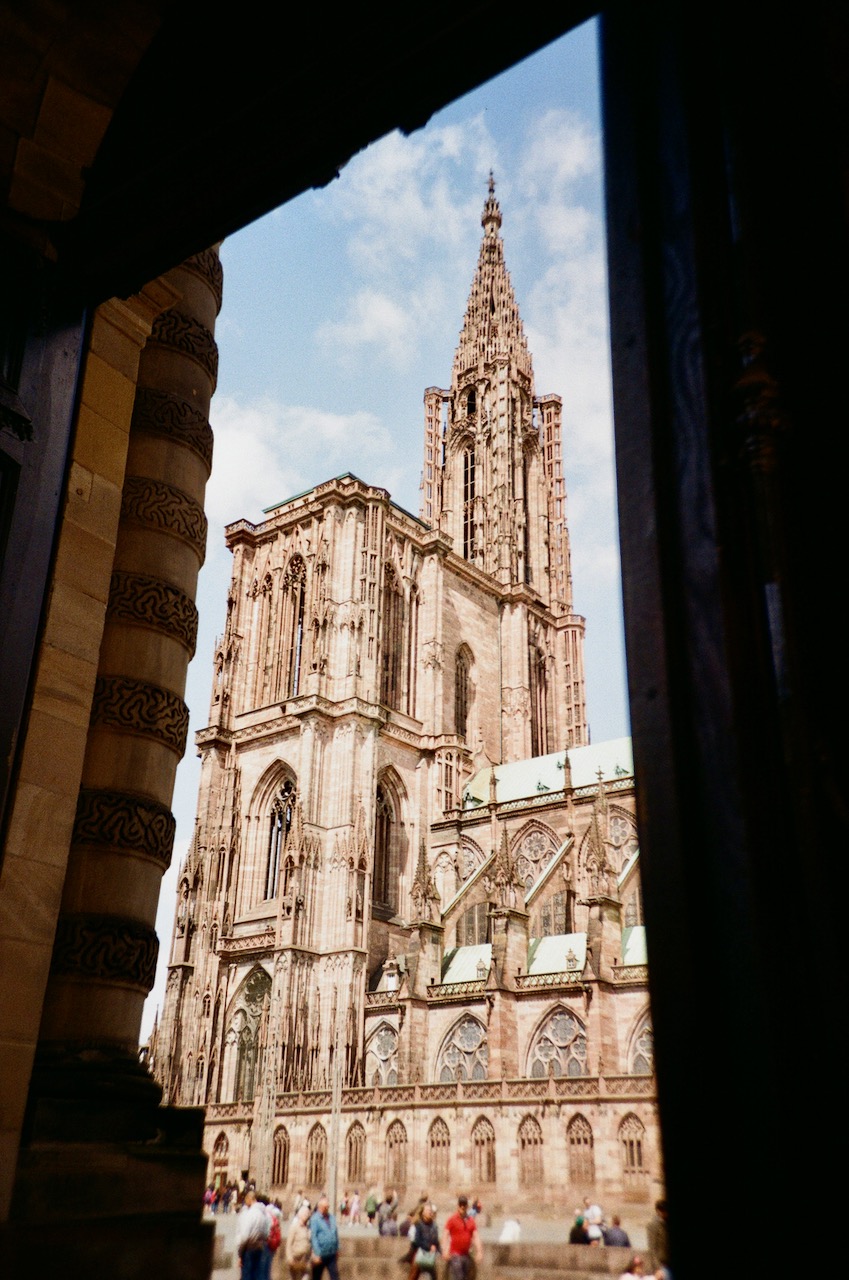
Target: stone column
(90,1100)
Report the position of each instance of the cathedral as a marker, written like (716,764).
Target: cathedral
(408,946)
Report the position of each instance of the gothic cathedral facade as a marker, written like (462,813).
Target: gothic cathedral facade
(408,947)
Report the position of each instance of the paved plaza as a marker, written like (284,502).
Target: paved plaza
(534,1231)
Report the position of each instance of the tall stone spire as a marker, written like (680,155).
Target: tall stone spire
(492,327)
(493,469)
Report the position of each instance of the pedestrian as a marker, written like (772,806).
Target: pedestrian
(275,1233)
(324,1240)
(371,1206)
(593,1218)
(355,1209)
(579,1234)
(657,1234)
(461,1242)
(424,1242)
(387,1224)
(615,1236)
(636,1269)
(299,1244)
(251,1234)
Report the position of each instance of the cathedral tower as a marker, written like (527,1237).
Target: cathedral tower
(493,481)
(374,672)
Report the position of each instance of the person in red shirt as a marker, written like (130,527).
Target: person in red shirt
(461,1242)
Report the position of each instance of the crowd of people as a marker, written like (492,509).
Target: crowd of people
(590,1228)
(310,1237)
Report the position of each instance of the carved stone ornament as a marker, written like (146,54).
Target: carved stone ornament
(190,338)
(123,821)
(207,265)
(148,602)
(161,507)
(106,949)
(162,413)
(137,707)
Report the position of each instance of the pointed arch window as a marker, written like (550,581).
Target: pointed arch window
(280,1157)
(462,690)
(438,1152)
(316,1156)
(389,848)
(469,503)
(579,1139)
(221,1157)
(642,1050)
(279,825)
(632,1137)
(412,649)
(530,1152)
(245,1066)
(464,1054)
(355,1151)
(294,588)
(392,640)
(396,1155)
(560,1047)
(483,1152)
(382,1056)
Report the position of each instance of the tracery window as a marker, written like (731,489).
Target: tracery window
(465,1053)
(355,1152)
(642,1050)
(279,825)
(554,917)
(483,1151)
(632,1136)
(294,589)
(245,1065)
(530,1153)
(382,1056)
(462,691)
(396,1155)
(446,781)
(473,926)
(316,1156)
(221,1156)
(634,908)
(622,838)
(280,1157)
(382,887)
(392,640)
(243,1036)
(560,1047)
(532,857)
(412,649)
(579,1138)
(438,1152)
(469,504)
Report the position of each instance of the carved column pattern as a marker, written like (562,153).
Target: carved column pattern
(104,958)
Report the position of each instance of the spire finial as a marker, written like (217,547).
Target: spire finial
(491,216)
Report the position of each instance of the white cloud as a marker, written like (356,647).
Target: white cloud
(373,319)
(266,451)
(560,148)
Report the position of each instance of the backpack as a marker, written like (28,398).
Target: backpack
(274,1233)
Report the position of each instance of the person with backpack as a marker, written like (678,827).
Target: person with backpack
(252,1227)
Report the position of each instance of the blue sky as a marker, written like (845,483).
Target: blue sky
(343,305)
